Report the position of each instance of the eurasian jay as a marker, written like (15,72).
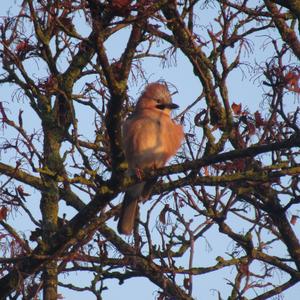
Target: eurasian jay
(150,139)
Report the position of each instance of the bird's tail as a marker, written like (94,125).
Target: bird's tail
(129,208)
(135,194)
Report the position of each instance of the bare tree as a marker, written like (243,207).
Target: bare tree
(236,178)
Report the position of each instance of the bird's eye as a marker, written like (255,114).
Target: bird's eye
(157,101)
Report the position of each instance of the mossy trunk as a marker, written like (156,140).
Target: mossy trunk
(49,207)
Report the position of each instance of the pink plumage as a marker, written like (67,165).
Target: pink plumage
(150,139)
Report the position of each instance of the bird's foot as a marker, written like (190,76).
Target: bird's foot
(139,173)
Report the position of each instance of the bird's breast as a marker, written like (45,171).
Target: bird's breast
(150,141)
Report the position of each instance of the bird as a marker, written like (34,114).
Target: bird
(149,138)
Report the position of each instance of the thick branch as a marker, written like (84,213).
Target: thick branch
(287,34)
(201,64)
(22,176)
(252,151)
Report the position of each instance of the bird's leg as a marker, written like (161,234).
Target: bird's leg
(139,173)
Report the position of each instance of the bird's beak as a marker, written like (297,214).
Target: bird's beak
(167,106)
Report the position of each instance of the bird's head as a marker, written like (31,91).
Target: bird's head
(156,96)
